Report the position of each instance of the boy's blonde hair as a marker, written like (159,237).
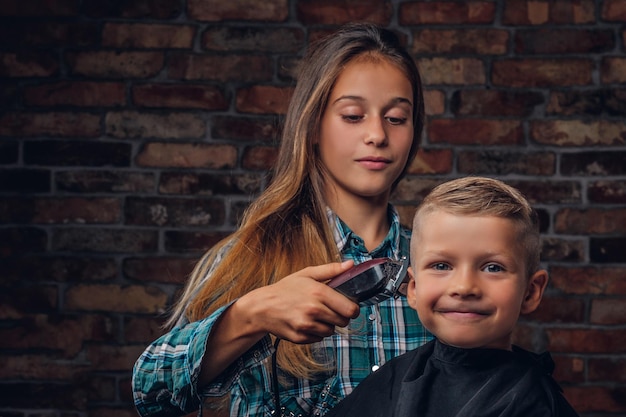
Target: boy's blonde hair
(479,196)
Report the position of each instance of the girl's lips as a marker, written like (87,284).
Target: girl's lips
(374,163)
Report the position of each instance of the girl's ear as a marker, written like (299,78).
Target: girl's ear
(534,292)
(410,289)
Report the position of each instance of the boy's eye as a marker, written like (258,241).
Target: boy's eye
(440,266)
(493,268)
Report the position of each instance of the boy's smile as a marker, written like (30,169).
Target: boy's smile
(470,282)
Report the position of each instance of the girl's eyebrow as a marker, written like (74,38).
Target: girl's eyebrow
(395,100)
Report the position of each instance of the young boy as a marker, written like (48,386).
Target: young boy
(474,269)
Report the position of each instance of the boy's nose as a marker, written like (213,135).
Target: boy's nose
(464,284)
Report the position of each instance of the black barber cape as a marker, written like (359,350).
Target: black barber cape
(437,380)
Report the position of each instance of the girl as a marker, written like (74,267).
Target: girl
(352,129)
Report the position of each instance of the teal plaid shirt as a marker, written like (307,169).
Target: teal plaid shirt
(165,376)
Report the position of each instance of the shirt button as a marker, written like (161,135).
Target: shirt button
(372,316)
(375,368)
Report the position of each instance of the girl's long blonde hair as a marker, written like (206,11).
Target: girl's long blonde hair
(286,228)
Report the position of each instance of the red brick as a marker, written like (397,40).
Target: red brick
(76,93)
(461,71)
(115,298)
(60,210)
(589,399)
(62,124)
(59,268)
(192,242)
(549,192)
(46,33)
(188,96)
(28,64)
(132,125)
(217,10)
(613,70)
(467,41)
(113,358)
(607,192)
(265,129)
(268,40)
(64,335)
(557,309)
(475,132)
(433,13)
(413,189)
(434,102)
(578,133)
(106,181)
(244,68)
(614,10)
(99,240)
(21,240)
(535,72)
(169,270)
(259,157)
(570,103)
(143,330)
(73,152)
(495,102)
(155,36)
(187,155)
(431,161)
(502,163)
(541,12)
(570,369)
(24,181)
(608,311)
(594,163)
(590,221)
(586,340)
(109,64)
(39,366)
(562,250)
(174,212)
(39,8)
(209,184)
(607,369)
(338,12)
(129,9)
(589,280)
(563,41)
(16,301)
(264,99)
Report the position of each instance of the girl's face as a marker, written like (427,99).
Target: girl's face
(367,130)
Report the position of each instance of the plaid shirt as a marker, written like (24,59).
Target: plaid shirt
(165,376)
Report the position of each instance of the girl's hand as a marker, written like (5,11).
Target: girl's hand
(300,308)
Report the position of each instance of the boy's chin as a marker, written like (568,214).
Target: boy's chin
(477,344)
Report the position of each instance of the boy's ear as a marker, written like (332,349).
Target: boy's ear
(410,289)
(536,286)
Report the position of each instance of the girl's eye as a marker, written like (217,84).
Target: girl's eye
(493,268)
(351,118)
(396,120)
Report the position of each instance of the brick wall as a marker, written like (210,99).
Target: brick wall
(133,134)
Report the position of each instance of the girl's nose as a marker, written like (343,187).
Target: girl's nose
(376,134)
